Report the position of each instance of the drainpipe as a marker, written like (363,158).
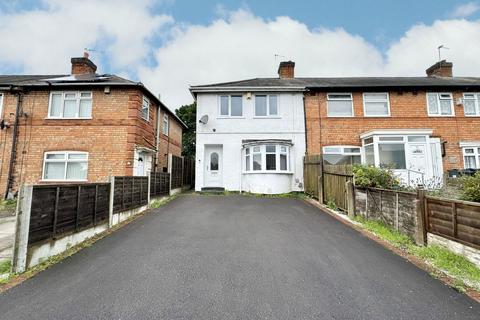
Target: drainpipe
(241,168)
(13,153)
(305,123)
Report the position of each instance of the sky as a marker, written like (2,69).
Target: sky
(172,44)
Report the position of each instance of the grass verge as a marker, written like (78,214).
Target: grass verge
(5,266)
(465,274)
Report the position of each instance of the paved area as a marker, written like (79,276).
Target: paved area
(213,257)
(7,233)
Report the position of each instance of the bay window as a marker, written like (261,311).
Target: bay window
(341,155)
(70,105)
(471,104)
(440,104)
(339,105)
(267,158)
(65,165)
(471,157)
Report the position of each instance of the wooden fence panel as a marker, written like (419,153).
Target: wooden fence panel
(189,172)
(159,184)
(60,209)
(177,172)
(454,219)
(312,169)
(130,193)
(334,180)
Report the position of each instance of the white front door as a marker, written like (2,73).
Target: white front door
(213,166)
(417,164)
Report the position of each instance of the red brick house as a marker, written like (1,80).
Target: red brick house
(81,127)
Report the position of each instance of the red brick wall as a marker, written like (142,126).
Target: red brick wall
(171,143)
(408,111)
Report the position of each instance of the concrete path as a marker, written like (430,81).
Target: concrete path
(214,257)
(7,233)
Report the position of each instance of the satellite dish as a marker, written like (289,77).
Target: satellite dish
(203,119)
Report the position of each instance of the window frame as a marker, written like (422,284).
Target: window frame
(340,93)
(78,98)
(263,158)
(268,113)
(341,151)
(147,107)
(438,94)
(387,100)
(477,103)
(476,154)
(167,126)
(65,160)
(229,115)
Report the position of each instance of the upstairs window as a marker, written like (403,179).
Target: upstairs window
(166,125)
(376,104)
(339,105)
(145,109)
(266,105)
(70,105)
(65,165)
(471,104)
(440,104)
(231,106)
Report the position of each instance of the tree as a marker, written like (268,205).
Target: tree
(188,114)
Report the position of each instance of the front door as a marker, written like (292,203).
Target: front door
(213,166)
(418,164)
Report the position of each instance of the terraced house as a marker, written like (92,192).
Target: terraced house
(81,127)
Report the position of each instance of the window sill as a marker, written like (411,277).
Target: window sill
(377,116)
(472,115)
(267,117)
(267,172)
(230,117)
(68,118)
(62,180)
(328,116)
(441,116)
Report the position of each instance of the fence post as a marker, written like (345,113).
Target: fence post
(320,189)
(110,204)
(169,170)
(149,178)
(350,198)
(22,226)
(421,233)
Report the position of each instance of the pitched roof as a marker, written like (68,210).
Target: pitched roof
(347,82)
(68,80)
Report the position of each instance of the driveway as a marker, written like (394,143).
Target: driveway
(235,257)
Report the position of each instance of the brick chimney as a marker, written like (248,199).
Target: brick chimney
(286,70)
(440,69)
(83,65)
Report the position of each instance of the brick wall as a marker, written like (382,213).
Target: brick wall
(408,111)
(171,143)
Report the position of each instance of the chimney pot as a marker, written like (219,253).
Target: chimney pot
(286,70)
(440,69)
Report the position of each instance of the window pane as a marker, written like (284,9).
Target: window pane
(416,139)
(273,105)
(214,161)
(270,148)
(56,105)
(339,96)
(283,161)
(469,105)
(284,149)
(332,150)
(376,108)
(54,170)
(375,96)
(446,107)
(70,95)
(390,138)
(247,163)
(56,156)
(368,141)
(432,103)
(257,161)
(236,106)
(77,156)
(76,171)
(70,108)
(224,105)
(260,106)
(470,162)
(145,113)
(339,108)
(392,155)
(271,161)
(369,155)
(351,150)
(86,95)
(256,149)
(469,150)
(85,108)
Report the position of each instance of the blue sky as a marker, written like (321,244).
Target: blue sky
(170,44)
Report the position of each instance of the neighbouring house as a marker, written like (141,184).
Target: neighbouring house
(250,135)
(81,127)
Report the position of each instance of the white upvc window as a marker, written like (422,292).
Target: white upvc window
(440,104)
(471,104)
(70,105)
(471,157)
(145,109)
(166,125)
(266,105)
(267,158)
(339,105)
(1,103)
(376,104)
(65,166)
(342,155)
(231,106)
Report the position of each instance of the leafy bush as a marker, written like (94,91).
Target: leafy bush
(369,176)
(471,188)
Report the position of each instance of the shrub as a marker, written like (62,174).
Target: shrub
(471,188)
(369,176)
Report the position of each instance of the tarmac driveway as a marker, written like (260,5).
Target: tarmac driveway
(235,257)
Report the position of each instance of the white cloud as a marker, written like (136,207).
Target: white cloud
(42,40)
(465,10)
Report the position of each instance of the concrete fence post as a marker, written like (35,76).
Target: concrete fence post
(169,170)
(149,178)
(110,204)
(421,232)
(22,227)
(320,189)
(350,199)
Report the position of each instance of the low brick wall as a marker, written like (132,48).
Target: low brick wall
(394,208)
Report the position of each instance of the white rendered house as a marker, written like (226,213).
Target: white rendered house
(250,137)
